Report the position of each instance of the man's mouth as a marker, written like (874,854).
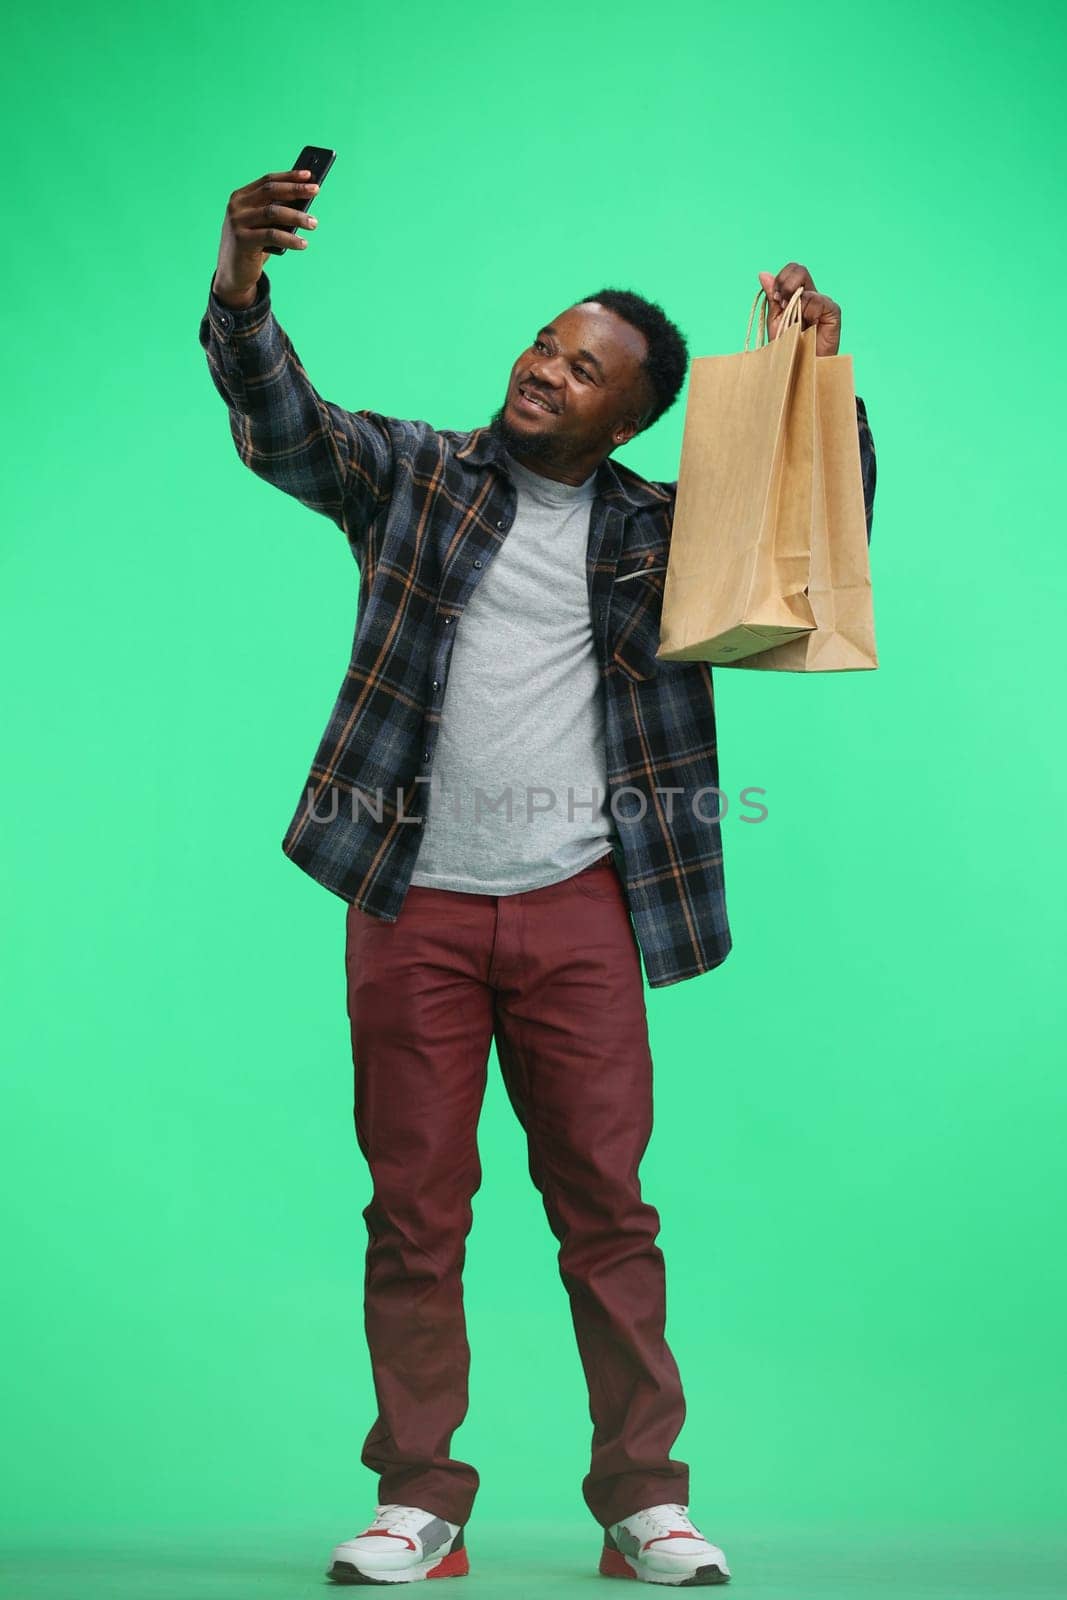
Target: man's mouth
(533,401)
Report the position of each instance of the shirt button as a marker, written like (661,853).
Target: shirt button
(436,684)
(477,563)
(425,755)
(447,621)
(502,523)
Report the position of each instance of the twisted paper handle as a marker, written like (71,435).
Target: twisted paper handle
(791,314)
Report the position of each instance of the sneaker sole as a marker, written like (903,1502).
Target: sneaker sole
(613,1564)
(455,1565)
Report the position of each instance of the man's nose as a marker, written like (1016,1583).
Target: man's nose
(545,369)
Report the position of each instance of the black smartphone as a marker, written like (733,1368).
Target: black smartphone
(318,162)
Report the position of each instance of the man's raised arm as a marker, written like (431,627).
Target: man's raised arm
(336,462)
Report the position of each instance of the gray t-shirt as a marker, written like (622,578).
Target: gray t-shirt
(518,792)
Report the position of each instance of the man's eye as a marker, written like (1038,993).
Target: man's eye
(539,344)
(581,371)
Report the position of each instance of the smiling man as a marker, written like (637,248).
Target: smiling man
(586,385)
(511,796)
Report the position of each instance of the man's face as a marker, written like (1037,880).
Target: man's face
(576,393)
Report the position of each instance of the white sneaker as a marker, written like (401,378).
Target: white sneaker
(402,1544)
(661,1545)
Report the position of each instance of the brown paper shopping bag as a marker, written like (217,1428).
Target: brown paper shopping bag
(840,585)
(741,540)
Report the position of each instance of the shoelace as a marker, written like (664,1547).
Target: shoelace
(661,1521)
(397,1519)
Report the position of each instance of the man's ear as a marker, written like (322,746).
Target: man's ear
(645,405)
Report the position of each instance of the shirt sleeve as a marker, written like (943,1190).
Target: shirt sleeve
(337,462)
(868,464)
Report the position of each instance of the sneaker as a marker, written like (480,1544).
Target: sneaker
(402,1544)
(661,1545)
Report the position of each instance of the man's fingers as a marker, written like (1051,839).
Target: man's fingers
(258,238)
(273,215)
(269,224)
(252,209)
(275,186)
(271,180)
(791,278)
(815,309)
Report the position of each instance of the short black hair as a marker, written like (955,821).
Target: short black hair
(668,354)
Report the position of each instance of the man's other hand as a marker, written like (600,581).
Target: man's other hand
(817,310)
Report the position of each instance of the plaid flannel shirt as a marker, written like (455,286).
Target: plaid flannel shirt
(424,511)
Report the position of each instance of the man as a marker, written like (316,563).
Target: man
(508,777)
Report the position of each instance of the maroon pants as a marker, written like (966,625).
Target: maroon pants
(553,976)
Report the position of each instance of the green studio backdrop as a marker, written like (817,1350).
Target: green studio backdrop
(858,1147)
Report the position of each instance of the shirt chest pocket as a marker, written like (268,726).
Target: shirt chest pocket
(636,603)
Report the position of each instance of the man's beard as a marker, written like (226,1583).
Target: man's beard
(534,446)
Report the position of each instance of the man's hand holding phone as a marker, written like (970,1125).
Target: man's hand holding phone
(257,216)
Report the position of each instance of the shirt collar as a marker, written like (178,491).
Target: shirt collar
(614,482)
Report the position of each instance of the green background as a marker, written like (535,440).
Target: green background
(858,1156)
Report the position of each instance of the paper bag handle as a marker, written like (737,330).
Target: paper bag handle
(791,314)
